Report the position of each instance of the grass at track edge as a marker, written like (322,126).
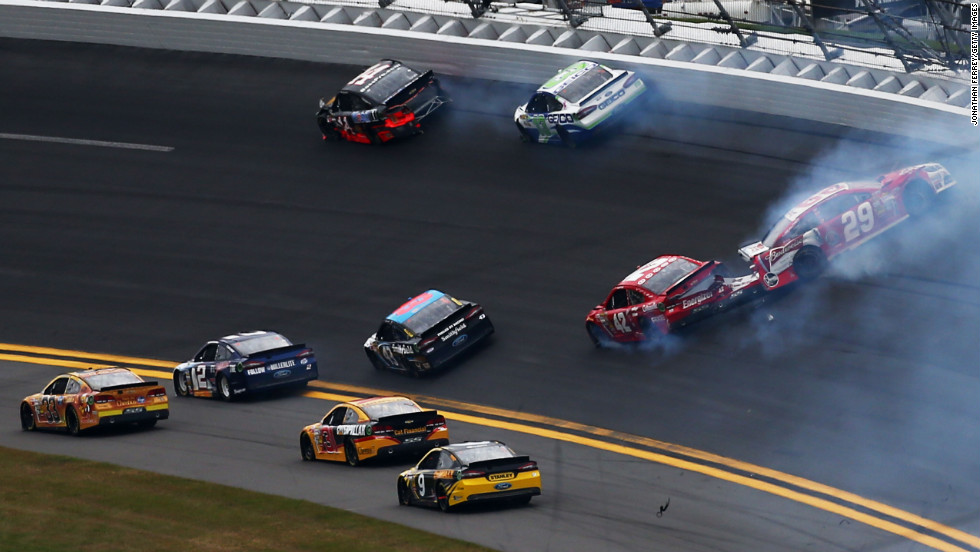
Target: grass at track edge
(54,503)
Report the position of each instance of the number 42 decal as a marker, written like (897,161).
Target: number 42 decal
(619,320)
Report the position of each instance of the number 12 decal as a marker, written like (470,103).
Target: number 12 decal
(857,223)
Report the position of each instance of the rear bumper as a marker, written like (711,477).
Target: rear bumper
(134,417)
(387,450)
(504,495)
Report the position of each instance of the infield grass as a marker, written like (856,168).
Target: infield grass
(58,503)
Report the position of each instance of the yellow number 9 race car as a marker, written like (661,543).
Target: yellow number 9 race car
(470,472)
(81,400)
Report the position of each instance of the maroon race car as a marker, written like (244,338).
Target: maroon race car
(839,218)
(667,293)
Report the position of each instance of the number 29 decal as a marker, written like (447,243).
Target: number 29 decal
(858,222)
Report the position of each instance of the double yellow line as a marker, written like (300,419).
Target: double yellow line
(869,512)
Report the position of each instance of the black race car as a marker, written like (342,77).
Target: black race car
(245,363)
(388,100)
(426,332)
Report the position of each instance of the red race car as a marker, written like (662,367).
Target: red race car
(386,101)
(839,218)
(667,293)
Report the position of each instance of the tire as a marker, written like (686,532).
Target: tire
(306,449)
(180,385)
(918,198)
(147,424)
(443,502)
(350,454)
(525,136)
(376,361)
(566,138)
(223,388)
(809,263)
(71,421)
(522,500)
(404,496)
(27,420)
(598,337)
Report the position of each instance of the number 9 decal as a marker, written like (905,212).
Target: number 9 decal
(420,482)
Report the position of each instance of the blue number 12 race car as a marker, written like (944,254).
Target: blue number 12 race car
(576,101)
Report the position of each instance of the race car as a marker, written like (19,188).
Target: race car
(426,332)
(839,218)
(388,100)
(467,473)
(573,104)
(245,363)
(78,401)
(374,427)
(667,293)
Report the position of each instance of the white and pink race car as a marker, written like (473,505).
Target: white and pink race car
(839,218)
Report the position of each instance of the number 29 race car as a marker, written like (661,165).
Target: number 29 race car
(468,473)
(667,293)
(426,332)
(388,100)
(78,401)
(576,101)
(839,218)
(245,363)
(363,429)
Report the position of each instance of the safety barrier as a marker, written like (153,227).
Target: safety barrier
(898,104)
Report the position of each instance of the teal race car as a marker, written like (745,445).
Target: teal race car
(575,102)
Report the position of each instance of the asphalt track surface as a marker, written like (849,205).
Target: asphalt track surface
(240,218)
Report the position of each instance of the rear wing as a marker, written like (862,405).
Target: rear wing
(411,419)
(135,385)
(279,351)
(500,464)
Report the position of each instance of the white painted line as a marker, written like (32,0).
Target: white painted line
(81,142)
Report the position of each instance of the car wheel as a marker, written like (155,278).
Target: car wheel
(918,198)
(27,420)
(306,448)
(404,498)
(147,424)
(71,420)
(180,385)
(442,499)
(809,263)
(224,387)
(522,500)
(525,135)
(376,361)
(597,336)
(350,453)
(566,138)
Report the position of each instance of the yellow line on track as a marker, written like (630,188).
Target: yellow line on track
(764,486)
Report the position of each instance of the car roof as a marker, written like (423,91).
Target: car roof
(246,336)
(567,74)
(360,403)
(97,371)
(382,81)
(468,445)
(414,305)
(645,272)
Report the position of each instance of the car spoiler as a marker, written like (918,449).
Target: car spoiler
(500,464)
(278,351)
(129,386)
(410,419)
